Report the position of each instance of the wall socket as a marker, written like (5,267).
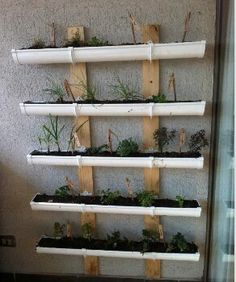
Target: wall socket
(7,241)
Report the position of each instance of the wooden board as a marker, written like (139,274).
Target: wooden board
(151,175)
(77,74)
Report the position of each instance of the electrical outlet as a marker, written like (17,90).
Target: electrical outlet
(7,241)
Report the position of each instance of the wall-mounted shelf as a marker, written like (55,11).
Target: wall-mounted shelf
(135,109)
(141,162)
(142,52)
(116,209)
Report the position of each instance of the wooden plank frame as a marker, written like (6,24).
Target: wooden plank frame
(77,74)
(150,86)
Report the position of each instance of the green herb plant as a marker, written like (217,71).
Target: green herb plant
(75,41)
(163,137)
(149,237)
(87,231)
(94,41)
(97,150)
(158,98)
(127,147)
(58,230)
(198,141)
(56,90)
(63,191)
(124,91)
(54,131)
(113,240)
(109,197)
(88,91)
(180,200)
(178,244)
(145,198)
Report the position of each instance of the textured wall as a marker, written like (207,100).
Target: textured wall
(20,22)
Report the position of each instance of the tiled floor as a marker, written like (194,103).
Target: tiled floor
(6,277)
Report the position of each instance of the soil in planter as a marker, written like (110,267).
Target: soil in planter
(108,154)
(121,201)
(97,244)
(101,102)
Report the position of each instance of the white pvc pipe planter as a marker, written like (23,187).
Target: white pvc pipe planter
(110,209)
(148,51)
(120,254)
(148,162)
(144,109)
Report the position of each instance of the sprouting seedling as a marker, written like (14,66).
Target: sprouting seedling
(75,41)
(52,35)
(54,131)
(163,137)
(198,141)
(182,138)
(58,230)
(74,139)
(180,200)
(127,147)
(186,25)
(87,231)
(69,230)
(129,188)
(46,139)
(89,91)
(124,91)
(40,140)
(94,41)
(110,133)
(57,91)
(38,44)
(68,90)
(172,86)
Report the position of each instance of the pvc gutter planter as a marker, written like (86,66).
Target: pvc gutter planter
(149,162)
(116,209)
(147,51)
(135,109)
(120,254)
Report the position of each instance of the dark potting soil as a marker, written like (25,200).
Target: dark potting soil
(120,201)
(97,244)
(101,102)
(108,154)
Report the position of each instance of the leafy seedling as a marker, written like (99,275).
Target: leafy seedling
(163,137)
(180,200)
(75,41)
(158,98)
(149,237)
(178,244)
(109,197)
(114,239)
(74,139)
(94,41)
(198,141)
(124,91)
(87,231)
(98,150)
(58,230)
(54,131)
(63,191)
(56,90)
(127,147)
(145,198)
(45,139)
(88,91)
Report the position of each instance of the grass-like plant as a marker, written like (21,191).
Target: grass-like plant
(56,90)
(124,91)
(109,197)
(145,198)
(38,44)
(54,130)
(127,147)
(180,200)
(198,141)
(45,139)
(72,139)
(163,137)
(89,91)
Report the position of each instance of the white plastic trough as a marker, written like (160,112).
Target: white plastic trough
(147,162)
(148,51)
(110,209)
(144,109)
(120,254)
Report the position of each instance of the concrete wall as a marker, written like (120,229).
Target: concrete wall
(20,22)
